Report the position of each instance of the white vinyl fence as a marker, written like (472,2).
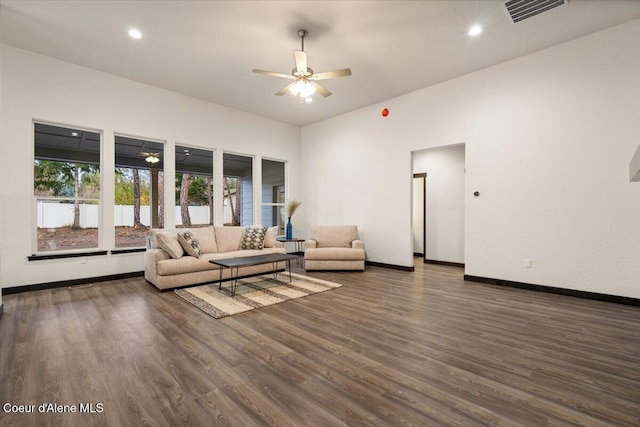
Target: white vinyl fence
(54,215)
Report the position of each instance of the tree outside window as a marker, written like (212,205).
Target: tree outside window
(194,186)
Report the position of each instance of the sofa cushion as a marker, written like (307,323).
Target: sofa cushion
(253,238)
(188,264)
(270,237)
(207,238)
(228,238)
(169,243)
(334,254)
(189,243)
(255,252)
(339,236)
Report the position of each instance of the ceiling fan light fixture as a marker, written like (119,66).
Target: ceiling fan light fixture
(308,90)
(152,159)
(135,33)
(302,88)
(475,30)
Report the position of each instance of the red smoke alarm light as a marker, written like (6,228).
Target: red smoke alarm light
(385,112)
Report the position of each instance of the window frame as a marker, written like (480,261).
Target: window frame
(251,158)
(62,253)
(163,154)
(274,205)
(178,219)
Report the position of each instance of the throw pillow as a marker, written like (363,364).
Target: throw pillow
(169,243)
(253,238)
(270,237)
(189,243)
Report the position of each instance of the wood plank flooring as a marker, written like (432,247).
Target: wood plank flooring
(389,348)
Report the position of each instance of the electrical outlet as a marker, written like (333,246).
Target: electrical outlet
(83,260)
(528,263)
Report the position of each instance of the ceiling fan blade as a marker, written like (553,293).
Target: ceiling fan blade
(285,89)
(273,73)
(301,61)
(322,91)
(332,74)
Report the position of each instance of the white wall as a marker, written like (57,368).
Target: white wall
(40,88)
(444,201)
(548,140)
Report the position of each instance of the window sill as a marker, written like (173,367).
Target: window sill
(127,251)
(43,257)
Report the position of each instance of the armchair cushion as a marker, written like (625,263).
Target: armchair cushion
(339,236)
(334,254)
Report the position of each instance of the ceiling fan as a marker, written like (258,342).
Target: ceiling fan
(304,84)
(150,157)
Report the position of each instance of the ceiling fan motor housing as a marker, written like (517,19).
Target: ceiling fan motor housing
(308,73)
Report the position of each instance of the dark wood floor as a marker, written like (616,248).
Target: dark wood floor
(388,348)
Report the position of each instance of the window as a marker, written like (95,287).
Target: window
(139,190)
(237,189)
(66,188)
(273,194)
(194,186)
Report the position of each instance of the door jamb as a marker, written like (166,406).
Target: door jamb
(424,212)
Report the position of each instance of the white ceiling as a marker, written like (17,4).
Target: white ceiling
(207,49)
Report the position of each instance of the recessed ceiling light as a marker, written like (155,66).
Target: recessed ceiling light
(135,33)
(475,30)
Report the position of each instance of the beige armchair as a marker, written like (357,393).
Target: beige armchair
(334,248)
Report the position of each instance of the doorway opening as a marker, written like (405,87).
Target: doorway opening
(438,204)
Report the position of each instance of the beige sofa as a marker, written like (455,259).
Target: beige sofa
(172,268)
(334,248)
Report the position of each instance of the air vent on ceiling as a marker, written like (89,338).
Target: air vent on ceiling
(520,10)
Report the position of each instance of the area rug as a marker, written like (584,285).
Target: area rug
(252,292)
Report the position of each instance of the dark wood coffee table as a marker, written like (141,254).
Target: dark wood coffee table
(237,263)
